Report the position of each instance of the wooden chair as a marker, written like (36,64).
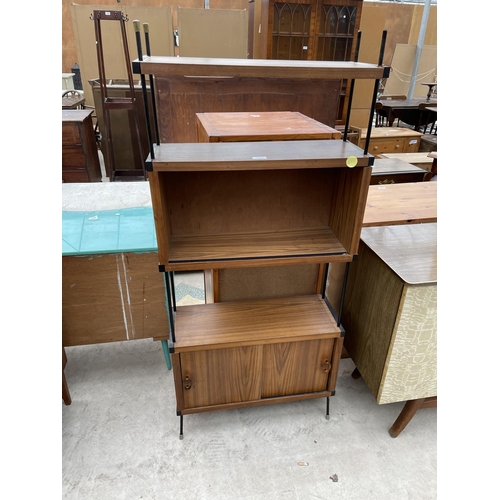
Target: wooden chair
(380,115)
(427,117)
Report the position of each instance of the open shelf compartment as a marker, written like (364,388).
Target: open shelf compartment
(289,203)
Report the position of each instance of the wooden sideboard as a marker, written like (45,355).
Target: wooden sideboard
(80,161)
(390,315)
(389,140)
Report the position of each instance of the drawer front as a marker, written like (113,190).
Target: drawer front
(75,176)
(73,159)
(70,134)
(381,146)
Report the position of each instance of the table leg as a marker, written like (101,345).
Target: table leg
(164,344)
(65,389)
(410,408)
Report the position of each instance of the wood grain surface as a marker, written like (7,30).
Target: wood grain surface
(261,126)
(252,322)
(402,203)
(258,68)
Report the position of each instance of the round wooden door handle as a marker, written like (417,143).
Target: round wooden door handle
(327,366)
(397,146)
(187,383)
(375,148)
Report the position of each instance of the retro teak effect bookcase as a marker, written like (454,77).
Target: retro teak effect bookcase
(245,204)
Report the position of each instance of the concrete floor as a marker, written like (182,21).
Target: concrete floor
(120,439)
(120,435)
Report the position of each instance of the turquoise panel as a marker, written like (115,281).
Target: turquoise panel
(108,231)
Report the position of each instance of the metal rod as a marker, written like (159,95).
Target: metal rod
(137,29)
(375,93)
(351,93)
(325,278)
(151,84)
(169,306)
(171,273)
(344,285)
(328,408)
(181,433)
(418,52)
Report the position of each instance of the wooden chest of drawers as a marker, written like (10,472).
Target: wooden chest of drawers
(80,162)
(390,140)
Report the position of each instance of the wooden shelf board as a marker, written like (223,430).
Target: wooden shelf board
(229,250)
(252,322)
(256,68)
(261,155)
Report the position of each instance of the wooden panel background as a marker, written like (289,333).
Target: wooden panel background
(180,98)
(224,202)
(200,33)
(69,40)
(112,297)
(267,282)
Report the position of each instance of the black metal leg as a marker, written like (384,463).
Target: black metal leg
(173,289)
(181,434)
(327,408)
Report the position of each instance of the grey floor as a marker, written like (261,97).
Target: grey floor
(120,439)
(120,435)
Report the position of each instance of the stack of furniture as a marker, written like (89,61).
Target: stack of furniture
(252,205)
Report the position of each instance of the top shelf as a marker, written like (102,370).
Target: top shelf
(257,68)
(263,155)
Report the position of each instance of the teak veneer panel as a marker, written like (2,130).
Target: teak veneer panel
(222,376)
(296,367)
(256,68)
(253,322)
(205,250)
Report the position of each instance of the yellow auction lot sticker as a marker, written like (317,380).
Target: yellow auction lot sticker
(352,161)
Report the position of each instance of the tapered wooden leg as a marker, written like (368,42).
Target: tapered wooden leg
(355,374)
(65,389)
(410,408)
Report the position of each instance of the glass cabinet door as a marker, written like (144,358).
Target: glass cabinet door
(336,29)
(291,27)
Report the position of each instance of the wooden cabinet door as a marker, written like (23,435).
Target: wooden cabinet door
(296,367)
(221,376)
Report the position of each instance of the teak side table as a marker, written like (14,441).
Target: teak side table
(261,126)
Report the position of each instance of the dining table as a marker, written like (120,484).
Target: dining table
(406,110)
